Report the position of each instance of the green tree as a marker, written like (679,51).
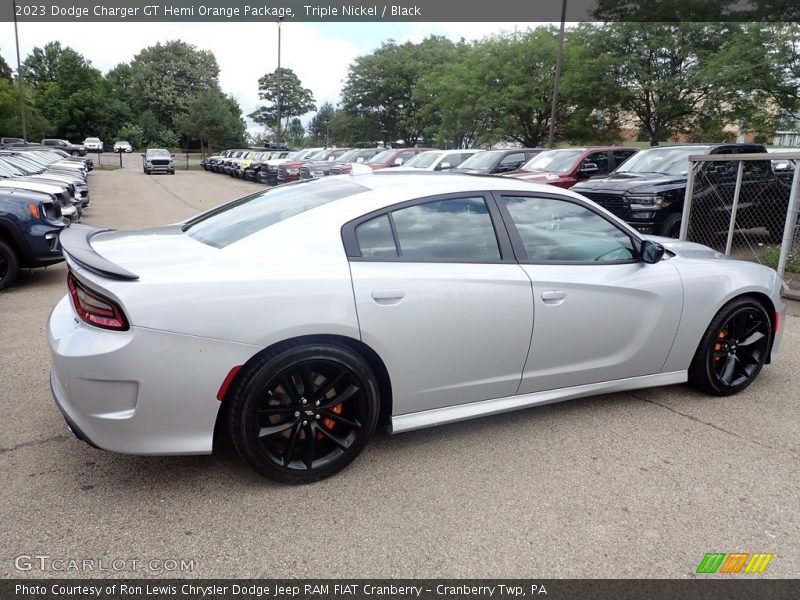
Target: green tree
(295,132)
(319,126)
(667,74)
(66,90)
(164,78)
(130,132)
(10,124)
(5,70)
(295,100)
(380,88)
(214,119)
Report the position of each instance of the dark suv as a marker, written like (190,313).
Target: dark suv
(29,226)
(648,190)
(496,161)
(68,147)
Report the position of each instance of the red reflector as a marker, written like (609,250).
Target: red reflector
(94,308)
(777,321)
(226,383)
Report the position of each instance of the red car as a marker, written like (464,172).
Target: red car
(290,171)
(565,167)
(393,158)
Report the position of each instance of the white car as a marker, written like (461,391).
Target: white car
(299,317)
(93,144)
(123,146)
(437,160)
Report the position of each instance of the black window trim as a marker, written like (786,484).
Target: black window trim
(519,247)
(507,254)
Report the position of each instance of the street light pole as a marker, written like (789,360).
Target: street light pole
(279,81)
(19,76)
(559,58)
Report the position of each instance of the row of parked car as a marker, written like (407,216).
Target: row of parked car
(644,187)
(42,190)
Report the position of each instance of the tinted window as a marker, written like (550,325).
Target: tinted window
(456,229)
(375,239)
(620,156)
(561,231)
(513,161)
(240,218)
(600,159)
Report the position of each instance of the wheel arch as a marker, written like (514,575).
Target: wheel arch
(363,350)
(771,309)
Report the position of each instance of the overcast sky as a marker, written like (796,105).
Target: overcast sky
(320,53)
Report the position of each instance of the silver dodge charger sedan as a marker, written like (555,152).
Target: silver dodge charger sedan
(297,319)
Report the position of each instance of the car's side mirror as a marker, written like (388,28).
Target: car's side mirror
(652,252)
(444,166)
(588,169)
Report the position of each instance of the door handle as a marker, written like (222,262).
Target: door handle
(388,296)
(554,296)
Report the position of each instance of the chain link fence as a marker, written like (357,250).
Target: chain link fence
(746,206)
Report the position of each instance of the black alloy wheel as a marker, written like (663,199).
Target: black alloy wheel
(733,349)
(304,413)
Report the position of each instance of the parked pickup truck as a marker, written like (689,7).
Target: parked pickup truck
(649,188)
(30,222)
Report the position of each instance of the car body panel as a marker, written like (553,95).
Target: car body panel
(456,342)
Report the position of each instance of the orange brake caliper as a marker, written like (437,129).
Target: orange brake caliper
(718,346)
(330,423)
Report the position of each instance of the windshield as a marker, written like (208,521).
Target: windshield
(241,218)
(350,155)
(423,160)
(668,161)
(317,155)
(157,153)
(553,161)
(11,168)
(382,157)
(483,161)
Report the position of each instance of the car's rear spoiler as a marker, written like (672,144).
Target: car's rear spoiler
(76,244)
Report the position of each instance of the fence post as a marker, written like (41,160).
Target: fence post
(687,201)
(735,207)
(791,221)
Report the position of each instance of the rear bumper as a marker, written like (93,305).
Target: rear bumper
(139,391)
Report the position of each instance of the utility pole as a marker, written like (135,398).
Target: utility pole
(19,76)
(279,80)
(559,58)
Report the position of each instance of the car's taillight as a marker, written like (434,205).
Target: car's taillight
(94,308)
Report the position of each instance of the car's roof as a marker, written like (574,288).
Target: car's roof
(424,183)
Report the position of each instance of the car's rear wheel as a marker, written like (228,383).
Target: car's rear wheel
(733,349)
(9,265)
(303,413)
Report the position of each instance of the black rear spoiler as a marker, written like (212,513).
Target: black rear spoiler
(76,244)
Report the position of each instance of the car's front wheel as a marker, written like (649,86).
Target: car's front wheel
(303,413)
(9,265)
(733,349)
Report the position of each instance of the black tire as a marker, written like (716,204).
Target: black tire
(75,153)
(9,265)
(733,349)
(172,172)
(292,436)
(671,227)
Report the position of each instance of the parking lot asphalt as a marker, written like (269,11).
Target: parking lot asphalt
(638,484)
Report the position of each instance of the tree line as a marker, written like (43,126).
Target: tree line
(168,95)
(662,80)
